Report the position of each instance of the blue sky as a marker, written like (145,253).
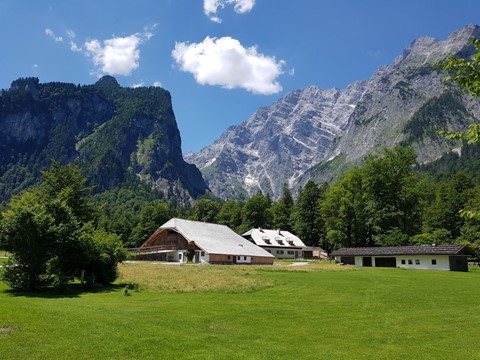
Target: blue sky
(220,59)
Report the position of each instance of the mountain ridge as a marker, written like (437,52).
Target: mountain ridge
(116,135)
(334,129)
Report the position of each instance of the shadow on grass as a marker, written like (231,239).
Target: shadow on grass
(70,291)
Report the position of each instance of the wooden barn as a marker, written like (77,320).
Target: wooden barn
(178,239)
(434,257)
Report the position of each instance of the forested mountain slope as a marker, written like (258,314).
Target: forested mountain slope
(116,135)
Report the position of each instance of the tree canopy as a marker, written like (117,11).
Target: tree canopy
(51,235)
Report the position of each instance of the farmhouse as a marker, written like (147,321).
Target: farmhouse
(437,257)
(282,244)
(178,239)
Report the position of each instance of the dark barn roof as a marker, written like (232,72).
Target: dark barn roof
(401,250)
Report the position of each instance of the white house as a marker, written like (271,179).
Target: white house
(282,244)
(435,257)
(206,243)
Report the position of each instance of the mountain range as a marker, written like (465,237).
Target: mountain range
(124,136)
(316,133)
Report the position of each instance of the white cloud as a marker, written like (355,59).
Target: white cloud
(227,63)
(73,45)
(51,34)
(210,7)
(116,56)
(157,84)
(141,84)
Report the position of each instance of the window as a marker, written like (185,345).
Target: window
(417,262)
(290,252)
(228,257)
(267,241)
(403,261)
(290,242)
(239,257)
(410,262)
(203,253)
(280,242)
(434,261)
(279,251)
(180,256)
(245,258)
(269,251)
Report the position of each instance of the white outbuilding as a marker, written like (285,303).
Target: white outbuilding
(434,257)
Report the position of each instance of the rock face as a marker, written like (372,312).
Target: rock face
(317,133)
(116,135)
(278,143)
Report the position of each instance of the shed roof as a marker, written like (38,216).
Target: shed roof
(276,238)
(214,238)
(401,250)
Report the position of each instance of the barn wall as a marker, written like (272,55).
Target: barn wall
(168,239)
(231,259)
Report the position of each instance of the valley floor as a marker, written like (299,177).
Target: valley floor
(242,312)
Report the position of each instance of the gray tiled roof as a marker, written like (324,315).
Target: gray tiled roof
(401,250)
(215,239)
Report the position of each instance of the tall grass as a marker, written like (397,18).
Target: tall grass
(160,277)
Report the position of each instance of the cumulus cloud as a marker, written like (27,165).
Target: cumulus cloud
(225,62)
(116,56)
(51,34)
(141,84)
(210,7)
(157,84)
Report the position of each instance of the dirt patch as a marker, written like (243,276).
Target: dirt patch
(6,331)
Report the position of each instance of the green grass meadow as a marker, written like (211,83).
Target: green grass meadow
(241,312)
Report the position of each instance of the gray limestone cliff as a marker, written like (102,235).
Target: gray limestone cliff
(318,133)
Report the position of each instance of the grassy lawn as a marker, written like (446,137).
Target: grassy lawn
(281,312)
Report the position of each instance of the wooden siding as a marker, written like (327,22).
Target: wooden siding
(168,240)
(232,259)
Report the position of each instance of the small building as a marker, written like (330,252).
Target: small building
(282,244)
(314,252)
(178,239)
(434,257)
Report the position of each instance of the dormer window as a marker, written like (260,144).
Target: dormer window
(267,241)
(280,242)
(290,242)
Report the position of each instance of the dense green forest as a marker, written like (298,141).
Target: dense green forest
(388,201)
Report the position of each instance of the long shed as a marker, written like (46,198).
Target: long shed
(435,257)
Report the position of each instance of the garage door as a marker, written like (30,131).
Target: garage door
(386,262)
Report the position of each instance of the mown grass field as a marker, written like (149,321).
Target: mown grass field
(240,312)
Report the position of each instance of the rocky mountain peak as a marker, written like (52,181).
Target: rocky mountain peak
(427,49)
(317,133)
